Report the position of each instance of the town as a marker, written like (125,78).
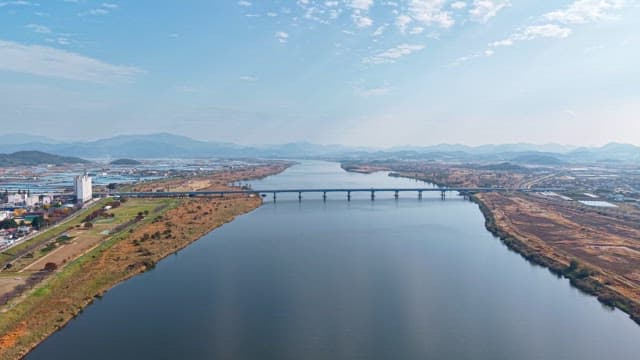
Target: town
(23,214)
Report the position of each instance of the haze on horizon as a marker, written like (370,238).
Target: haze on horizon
(357,72)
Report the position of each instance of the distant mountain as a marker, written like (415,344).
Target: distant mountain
(614,152)
(20,138)
(486,149)
(505,166)
(27,158)
(537,159)
(164,145)
(125,162)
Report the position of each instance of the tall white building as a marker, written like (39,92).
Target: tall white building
(82,186)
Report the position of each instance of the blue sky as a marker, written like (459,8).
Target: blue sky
(358,72)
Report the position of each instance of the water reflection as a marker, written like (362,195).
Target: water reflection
(388,279)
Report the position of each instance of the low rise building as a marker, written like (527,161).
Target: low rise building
(23,199)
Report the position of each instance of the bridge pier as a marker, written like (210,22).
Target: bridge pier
(348,195)
(324,196)
(373,195)
(443,195)
(396,194)
(420,195)
(299,196)
(274,197)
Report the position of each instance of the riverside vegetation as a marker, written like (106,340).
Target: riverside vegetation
(147,231)
(596,249)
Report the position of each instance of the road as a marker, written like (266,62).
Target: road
(63,222)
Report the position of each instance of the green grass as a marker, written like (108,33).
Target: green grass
(124,213)
(49,233)
(59,281)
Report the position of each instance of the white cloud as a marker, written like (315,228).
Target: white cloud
(15,3)
(542,31)
(104,9)
(361,4)
(463,59)
(416,30)
(244,3)
(402,22)
(504,42)
(584,11)
(431,12)
(391,55)
(379,91)
(458,5)
(51,62)
(483,10)
(248,78)
(362,21)
(380,30)
(533,32)
(60,40)
(282,36)
(41,29)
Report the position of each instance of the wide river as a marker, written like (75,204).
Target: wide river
(389,279)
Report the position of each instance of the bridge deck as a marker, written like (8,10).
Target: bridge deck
(328,190)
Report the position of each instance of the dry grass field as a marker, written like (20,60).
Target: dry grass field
(93,262)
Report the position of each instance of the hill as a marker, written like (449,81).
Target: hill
(26,158)
(125,162)
(505,166)
(164,145)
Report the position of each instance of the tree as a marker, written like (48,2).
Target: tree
(8,224)
(37,222)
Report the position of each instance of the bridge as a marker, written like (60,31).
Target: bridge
(347,191)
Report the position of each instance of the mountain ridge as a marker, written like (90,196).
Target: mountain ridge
(166,145)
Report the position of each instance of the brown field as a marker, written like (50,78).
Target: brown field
(100,264)
(557,232)
(598,249)
(221,180)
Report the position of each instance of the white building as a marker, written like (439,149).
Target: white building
(23,199)
(82,187)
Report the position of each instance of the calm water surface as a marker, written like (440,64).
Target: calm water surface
(388,279)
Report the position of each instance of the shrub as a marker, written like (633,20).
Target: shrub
(50,267)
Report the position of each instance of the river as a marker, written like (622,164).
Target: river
(388,279)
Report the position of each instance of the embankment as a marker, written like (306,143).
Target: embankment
(586,278)
(170,226)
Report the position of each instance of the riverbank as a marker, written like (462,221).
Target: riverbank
(585,270)
(596,250)
(163,227)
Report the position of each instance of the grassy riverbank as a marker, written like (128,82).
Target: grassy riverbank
(167,226)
